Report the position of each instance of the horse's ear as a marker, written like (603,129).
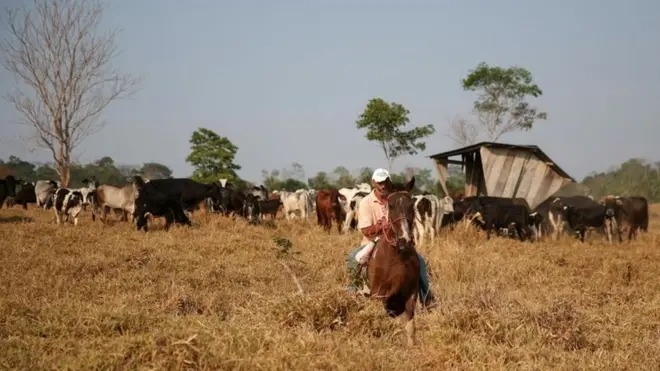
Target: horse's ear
(411,184)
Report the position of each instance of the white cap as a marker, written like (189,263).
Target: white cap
(380,175)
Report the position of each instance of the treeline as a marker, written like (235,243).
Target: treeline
(633,177)
(105,170)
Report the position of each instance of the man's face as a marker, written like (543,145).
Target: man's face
(381,187)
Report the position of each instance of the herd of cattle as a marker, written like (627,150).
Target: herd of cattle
(176,200)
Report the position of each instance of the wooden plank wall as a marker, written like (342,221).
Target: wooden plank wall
(515,173)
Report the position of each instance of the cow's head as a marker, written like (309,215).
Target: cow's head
(251,209)
(10,185)
(90,183)
(613,206)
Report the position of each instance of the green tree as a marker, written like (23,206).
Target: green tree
(272,180)
(364,175)
(23,170)
(385,123)
(292,185)
(212,156)
(502,105)
(320,181)
(344,177)
(155,170)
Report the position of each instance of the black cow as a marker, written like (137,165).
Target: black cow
(631,213)
(231,201)
(553,213)
(26,195)
(151,201)
(187,192)
(468,206)
(510,216)
(579,219)
(270,207)
(251,208)
(8,188)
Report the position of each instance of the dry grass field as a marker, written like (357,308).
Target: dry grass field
(217,296)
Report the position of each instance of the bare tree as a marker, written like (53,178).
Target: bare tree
(462,132)
(63,63)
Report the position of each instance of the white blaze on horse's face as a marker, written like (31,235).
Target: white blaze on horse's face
(402,205)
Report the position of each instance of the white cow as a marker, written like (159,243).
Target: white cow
(299,200)
(44,191)
(108,196)
(429,212)
(350,193)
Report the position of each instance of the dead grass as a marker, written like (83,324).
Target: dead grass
(215,297)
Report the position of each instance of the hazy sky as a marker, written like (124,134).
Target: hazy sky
(286,80)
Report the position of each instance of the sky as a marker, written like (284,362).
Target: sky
(286,80)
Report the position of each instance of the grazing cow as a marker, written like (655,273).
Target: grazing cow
(270,207)
(631,213)
(8,188)
(151,201)
(68,203)
(44,191)
(553,212)
(24,196)
(579,219)
(510,216)
(117,198)
(328,206)
(299,200)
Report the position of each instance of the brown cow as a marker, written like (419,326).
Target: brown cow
(327,206)
(633,215)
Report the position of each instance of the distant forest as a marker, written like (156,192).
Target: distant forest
(633,177)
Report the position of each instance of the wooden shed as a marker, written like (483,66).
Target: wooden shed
(505,170)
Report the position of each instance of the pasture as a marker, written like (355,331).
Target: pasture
(221,295)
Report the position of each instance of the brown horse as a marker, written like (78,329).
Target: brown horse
(394,265)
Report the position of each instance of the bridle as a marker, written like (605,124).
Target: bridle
(391,227)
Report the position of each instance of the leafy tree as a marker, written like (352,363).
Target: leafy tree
(155,170)
(292,185)
(344,178)
(385,122)
(64,75)
(364,175)
(272,180)
(502,106)
(21,169)
(320,181)
(212,156)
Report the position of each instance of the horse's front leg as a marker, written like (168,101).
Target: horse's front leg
(408,318)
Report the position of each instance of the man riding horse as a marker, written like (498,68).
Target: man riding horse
(372,222)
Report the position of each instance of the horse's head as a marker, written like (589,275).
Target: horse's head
(401,213)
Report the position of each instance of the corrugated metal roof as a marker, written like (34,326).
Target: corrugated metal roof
(528,148)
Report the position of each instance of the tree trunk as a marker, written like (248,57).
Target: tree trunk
(65,174)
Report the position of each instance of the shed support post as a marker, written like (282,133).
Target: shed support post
(471,175)
(441,165)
